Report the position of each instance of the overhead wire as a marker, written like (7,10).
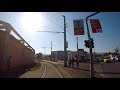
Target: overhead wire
(49,18)
(53,22)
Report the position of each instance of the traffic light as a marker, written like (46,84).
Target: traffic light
(92,43)
(87,43)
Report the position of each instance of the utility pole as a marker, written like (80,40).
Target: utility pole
(51,41)
(65,56)
(77,43)
(90,48)
(51,50)
(44,50)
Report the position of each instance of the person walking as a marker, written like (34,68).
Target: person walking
(77,61)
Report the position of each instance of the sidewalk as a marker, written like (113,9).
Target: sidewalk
(33,73)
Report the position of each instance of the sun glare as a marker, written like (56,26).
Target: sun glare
(31,22)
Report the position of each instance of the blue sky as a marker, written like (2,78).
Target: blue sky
(27,24)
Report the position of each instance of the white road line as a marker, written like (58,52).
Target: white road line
(101,70)
(41,66)
(102,75)
(44,72)
(57,71)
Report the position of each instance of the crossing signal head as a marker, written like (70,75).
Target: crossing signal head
(87,43)
(92,42)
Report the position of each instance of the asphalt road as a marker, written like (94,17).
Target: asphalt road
(107,70)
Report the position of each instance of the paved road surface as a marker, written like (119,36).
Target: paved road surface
(110,70)
(107,70)
(46,70)
(50,71)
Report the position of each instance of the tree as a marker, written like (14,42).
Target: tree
(85,52)
(116,50)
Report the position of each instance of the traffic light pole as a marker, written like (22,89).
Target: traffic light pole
(90,48)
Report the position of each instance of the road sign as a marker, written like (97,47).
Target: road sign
(95,25)
(78,27)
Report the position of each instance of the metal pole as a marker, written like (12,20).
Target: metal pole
(91,55)
(65,59)
(90,49)
(44,51)
(77,43)
(51,50)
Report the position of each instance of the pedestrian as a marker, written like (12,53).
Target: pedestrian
(72,62)
(77,61)
(69,62)
(98,60)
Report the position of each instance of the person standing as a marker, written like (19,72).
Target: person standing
(77,61)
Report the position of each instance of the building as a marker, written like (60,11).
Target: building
(58,55)
(47,57)
(14,53)
(82,55)
(81,50)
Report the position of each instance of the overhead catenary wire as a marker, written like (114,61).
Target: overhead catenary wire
(59,15)
(60,28)
(54,22)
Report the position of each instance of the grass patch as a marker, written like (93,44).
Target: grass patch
(36,67)
(37,60)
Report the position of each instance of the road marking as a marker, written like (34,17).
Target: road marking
(41,66)
(102,75)
(99,69)
(44,72)
(57,71)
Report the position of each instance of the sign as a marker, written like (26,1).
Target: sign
(78,27)
(95,25)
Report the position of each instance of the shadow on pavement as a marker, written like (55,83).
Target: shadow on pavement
(16,72)
(107,72)
(97,71)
